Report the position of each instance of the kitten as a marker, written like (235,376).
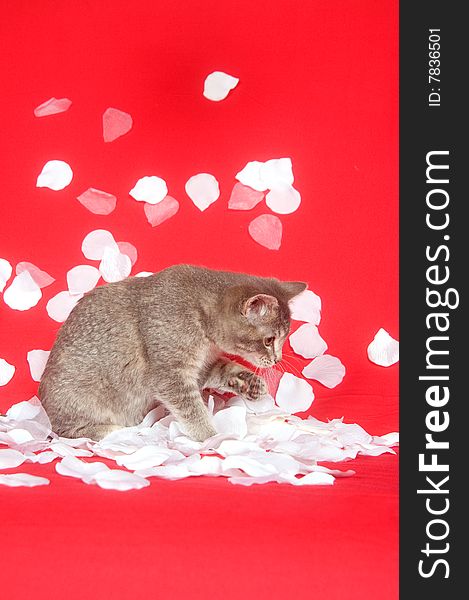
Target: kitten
(130,345)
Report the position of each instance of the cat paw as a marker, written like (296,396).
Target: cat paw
(249,385)
(201,433)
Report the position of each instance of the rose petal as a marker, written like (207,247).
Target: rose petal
(52,106)
(164,210)
(326,369)
(266,230)
(42,278)
(231,420)
(129,250)
(147,457)
(95,242)
(283,199)
(22,479)
(97,201)
(23,293)
(70,466)
(150,189)
(203,190)
(307,342)
(244,198)
(277,172)
(61,305)
(218,85)
(5,273)
(251,176)
(294,394)
(384,349)
(306,307)
(82,279)
(24,411)
(37,360)
(115,124)
(6,371)
(119,480)
(55,174)
(114,265)
(144,274)
(9,459)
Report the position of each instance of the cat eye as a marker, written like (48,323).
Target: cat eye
(269,341)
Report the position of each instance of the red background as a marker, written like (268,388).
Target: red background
(319,83)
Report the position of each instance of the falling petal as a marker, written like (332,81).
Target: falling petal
(115,124)
(42,278)
(5,273)
(266,230)
(6,372)
(307,342)
(244,198)
(128,249)
(306,307)
(203,190)
(37,360)
(55,174)
(114,265)
(283,199)
(384,349)
(251,176)
(326,369)
(164,210)
(277,172)
(97,201)
(218,85)
(82,279)
(23,293)
(294,394)
(151,189)
(52,106)
(96,242)
(61,305)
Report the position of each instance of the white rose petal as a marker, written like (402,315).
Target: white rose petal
(37,360)
(384,349)
(23,293)
(306,307)
(250,175)
(218,85)
(326,369)
(82,279)
(96,242)
(294,394)
(150,189)
(61,305)
(203,190)
(5,273)
(114,265)
(283,199)
(22,479)
(6,372)
(307,342)
(55,174)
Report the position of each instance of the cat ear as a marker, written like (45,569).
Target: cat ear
(293,288)
(259,307)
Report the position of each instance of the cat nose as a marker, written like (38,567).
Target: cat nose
(277,358)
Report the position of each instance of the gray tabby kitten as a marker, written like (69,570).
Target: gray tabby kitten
(131,345)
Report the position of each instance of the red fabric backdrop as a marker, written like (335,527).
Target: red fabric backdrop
(319,83)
